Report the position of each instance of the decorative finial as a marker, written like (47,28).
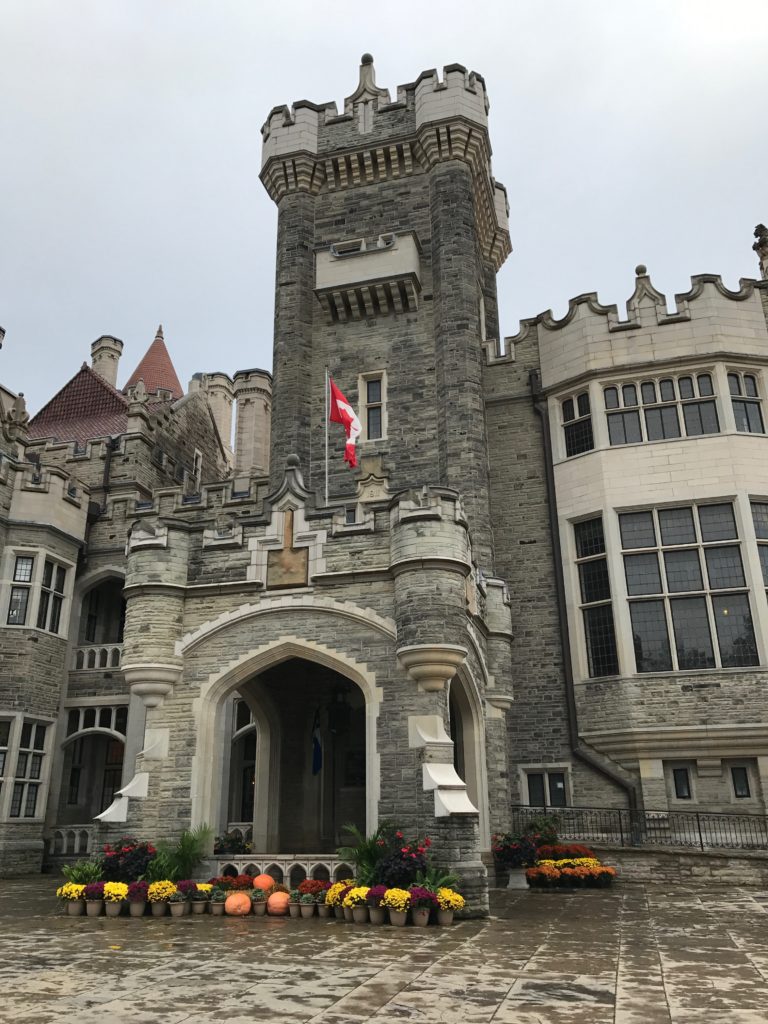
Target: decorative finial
(641,270)
(292,461)
(159,333)
(367,58)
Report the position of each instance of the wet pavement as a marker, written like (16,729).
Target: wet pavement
(631,955)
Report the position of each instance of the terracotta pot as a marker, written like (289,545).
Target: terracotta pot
(217,909)
(159,908)
(178,909)
(113,909)
(445,917)
(75,908)
(137,908)
(307,909)
(199,906)
(377,915)
(260,909)
(420,916)
(348,914)
(360,915)
(294,909)
(94,908)
(323,910)
(338,912)
(398,917)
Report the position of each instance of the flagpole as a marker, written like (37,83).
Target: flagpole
(327,386)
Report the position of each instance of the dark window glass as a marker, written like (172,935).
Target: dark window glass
(700,418)
(685,387)
(642,572)
(350,515)
(750,386)
(18,794)
(242,715)
(578,437)
(73,793)
(650,637)
(593,577)
(56,605)
(740,777)
(536,796)
(624,427)
(760,519)
(667,390)
(705,385)
(89,718)
(373,388)
(648,391)
(121,719)
(568,413)
(556,782)
(682,782)
(749,419)
(692,639)
(637,530)
(735,634)
(47,573)
(42,608)
(17,608)
(374,423)
(73,721)
(22,572)
(40,737)
(611,396)
(35,766)
(30,804)
(601,641)
(724,567)
(683,571)
(5,732)
(662,423)
(582,404)
(61,572)
(677,526)
(105,718)
(21,764)
(26,735)
(629,394)
(2,765)
(717,522)
(762,550)
(734,384)
(589,537)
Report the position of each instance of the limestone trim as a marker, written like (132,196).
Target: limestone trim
(456,565)
(208,708)
(677,740)
(151,681)
(298,602)
(432,666)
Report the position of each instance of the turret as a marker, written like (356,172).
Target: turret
(105,356)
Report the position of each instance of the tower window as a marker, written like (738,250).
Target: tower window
(373,399)
(745,399)
(661,409)
(577,424)
(595,593)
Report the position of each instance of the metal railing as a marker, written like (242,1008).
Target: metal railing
(624,827)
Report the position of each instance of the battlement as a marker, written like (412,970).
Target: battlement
(707,319)
(47,496)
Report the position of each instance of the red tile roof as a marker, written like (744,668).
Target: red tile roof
(87,407)
(156,370)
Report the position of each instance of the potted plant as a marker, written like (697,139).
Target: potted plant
(177,903)
(137,898)
(158,895)
(377,914)
(259,902)
(448,902)
(334,895)
(218,899)
(198,898)
(72,895)
(294,907)
(307,904)
(94,898)
(186,886)
(397,902)
(324,909)
(83,871)
(423,901)
(515,853)
(115,894)
(355,900)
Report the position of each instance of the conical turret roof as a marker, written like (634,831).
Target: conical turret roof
(156,370)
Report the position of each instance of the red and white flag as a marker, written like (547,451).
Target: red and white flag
(342,412)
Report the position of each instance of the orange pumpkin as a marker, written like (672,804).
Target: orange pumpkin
(277,904)
(264,882)
(237,903)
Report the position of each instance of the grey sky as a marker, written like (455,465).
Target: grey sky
(129,133)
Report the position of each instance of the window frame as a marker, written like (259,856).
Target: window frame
(37,590)
(744,766)
(584,607)
(546,770)
(671,769)
(578,418)
(742,397)
(42,782)
(678,403)
(362,391)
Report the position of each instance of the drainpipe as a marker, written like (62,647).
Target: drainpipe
(580,749)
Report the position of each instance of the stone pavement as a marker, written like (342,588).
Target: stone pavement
(632,955)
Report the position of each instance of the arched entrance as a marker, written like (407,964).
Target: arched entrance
(466,729)
(91,775)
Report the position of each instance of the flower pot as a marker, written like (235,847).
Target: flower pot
(338,912)
(444,918)
(137,908)
(323,910)
(348,914)
(75,908)
(360,915)
(307,909)
(198,906)
(217,909)
(93,908)
(377,915)
(260,909)
(294,909)
(187,907)
(398,917)
(517,879)
(159,908)
(113,908)
(420,916)
(178,909)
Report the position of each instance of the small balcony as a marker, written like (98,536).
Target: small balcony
(97,656)
(355,280)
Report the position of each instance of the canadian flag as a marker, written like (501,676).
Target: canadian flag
(342,412)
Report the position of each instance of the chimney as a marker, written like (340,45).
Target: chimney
(218,388)
(105,355)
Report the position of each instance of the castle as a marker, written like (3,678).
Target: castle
(543,585)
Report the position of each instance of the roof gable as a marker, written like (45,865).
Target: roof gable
(87,407)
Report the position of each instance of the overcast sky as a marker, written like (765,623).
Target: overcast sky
(130,150)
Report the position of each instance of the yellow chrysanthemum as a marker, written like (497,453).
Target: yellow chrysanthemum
(204,886)
(159,891)
(356,897)
(449,899)
(70,891)
(397,899)
(115,892)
